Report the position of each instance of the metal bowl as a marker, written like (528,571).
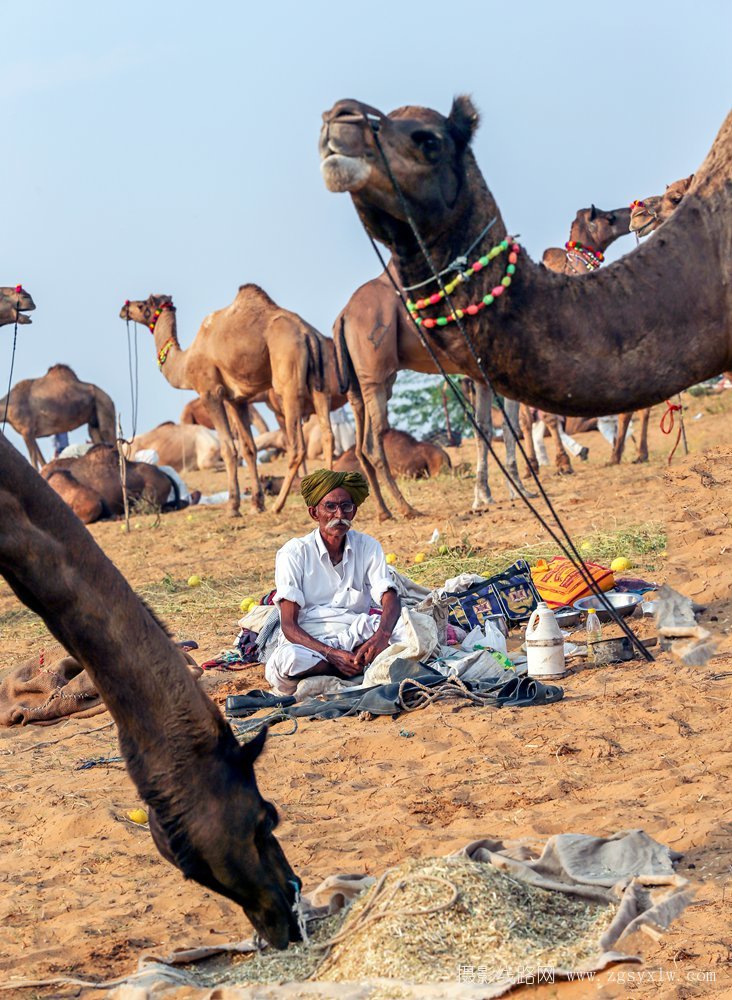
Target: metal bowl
(624,604)
(567,617)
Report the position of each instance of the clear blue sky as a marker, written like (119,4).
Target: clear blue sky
(166,146)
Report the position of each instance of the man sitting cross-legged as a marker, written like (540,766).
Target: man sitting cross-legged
(327,583)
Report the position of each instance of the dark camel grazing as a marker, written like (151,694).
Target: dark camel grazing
(566,346)
(406,457)
(207,816)
(58,401)
(91,484)
(240,352)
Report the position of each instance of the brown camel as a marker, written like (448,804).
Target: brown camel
(91,484)
(246,349)
(56,402)
(14,303)
(195,412)
(565,346)
(406,457)
(374,339)
(591,233)
(207,816)
(185,447)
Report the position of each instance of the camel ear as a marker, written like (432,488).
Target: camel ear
(593,213)
(463,119)
(253,748)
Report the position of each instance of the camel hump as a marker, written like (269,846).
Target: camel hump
(61,369)
(252,291)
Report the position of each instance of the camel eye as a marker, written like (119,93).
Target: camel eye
(429,143)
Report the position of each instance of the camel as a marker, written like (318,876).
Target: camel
(591,233)
(14,303)
(58,401)
(184,447)
(406,457)
(614,327)
(374,339)
(207,816)
(277,440)
(240,351)
(649,213)
(195,412)
(91,484)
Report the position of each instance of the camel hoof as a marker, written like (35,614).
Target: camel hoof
(410,513)
(640,461)
(233,512)
(385,515)
(611,463)
(565,472)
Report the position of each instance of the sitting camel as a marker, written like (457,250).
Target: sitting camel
(184,447)
(14,303)
(57,402)
(591,233)
(207,816)
(406,457)
(195,412)
(91,484)
(239,352)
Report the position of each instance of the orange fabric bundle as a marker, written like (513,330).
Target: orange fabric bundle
(560,583)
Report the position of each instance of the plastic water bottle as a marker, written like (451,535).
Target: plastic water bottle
(594,634)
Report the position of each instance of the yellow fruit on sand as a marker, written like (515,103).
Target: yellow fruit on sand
(248,603)
(137,815)
(620,564)
(391,558)
(443,550)
(189,517)
(419,557)
(194,580)
(585,547)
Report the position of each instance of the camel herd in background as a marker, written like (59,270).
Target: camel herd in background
(253,351)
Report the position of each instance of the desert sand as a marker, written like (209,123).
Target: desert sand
(84,891)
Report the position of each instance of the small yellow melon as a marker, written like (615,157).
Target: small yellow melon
(419,557)
(620,565)
(444,550)
(585,548)
(137,815)
(391,558)
(194,580)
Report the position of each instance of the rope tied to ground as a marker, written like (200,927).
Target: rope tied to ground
(667,424)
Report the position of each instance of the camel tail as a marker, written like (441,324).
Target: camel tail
(104,417)
(344,367)
(316,366)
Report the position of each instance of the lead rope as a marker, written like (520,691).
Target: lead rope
(134,377)
(569,549)
(18,289)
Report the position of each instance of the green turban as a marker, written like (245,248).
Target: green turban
(319,484)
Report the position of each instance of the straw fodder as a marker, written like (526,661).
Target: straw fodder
(425,920)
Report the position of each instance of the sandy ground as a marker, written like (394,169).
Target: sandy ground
(632,745)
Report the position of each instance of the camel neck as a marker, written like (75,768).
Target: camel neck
(171,359)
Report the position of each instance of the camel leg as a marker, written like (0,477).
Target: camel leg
(526,422)
(484,419)
(321,403)
(215,408)
(623,425)
(643,441)
(35,454)
(377,424)
(239,411)
(564,466)
(292,405)
(513,415)
(359,416)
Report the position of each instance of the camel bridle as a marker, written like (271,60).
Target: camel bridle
(565,543)
(19,290)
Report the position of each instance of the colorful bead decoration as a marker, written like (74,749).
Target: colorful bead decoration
(165,351)
(589,257)
(475,307)
(637,204)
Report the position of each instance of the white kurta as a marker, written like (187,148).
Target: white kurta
(334,601)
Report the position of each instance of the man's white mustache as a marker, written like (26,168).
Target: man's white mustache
(335,521)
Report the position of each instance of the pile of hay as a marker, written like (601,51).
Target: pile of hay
(426,919)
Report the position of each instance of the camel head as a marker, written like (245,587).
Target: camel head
(219,831)
(647,215)
(146,311)
(429,157)
(598,228)
(14,303)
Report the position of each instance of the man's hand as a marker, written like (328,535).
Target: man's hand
(343,662)
(368,652)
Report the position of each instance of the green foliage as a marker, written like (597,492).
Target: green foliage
(417,406)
